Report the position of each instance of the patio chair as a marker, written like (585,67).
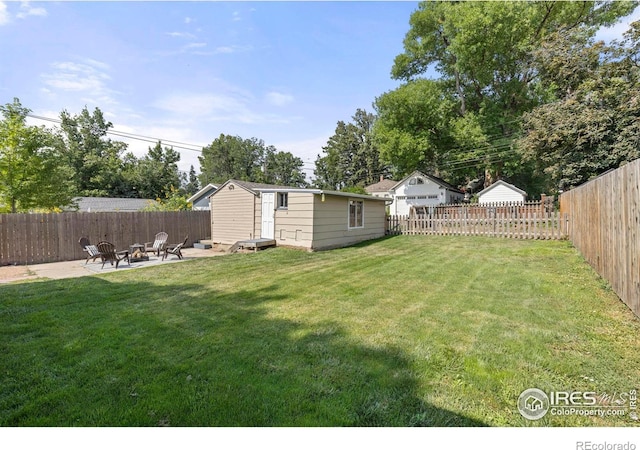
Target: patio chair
(109,253)
(175,249)
(158,244)
(92,250)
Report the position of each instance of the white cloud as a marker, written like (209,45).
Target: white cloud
(88,79)
(4,14)
(27,10)
(188,20)
(236,16)
(616,31)
(181,34)
(278,99)
(233,49)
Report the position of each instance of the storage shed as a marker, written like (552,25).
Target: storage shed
(314,219)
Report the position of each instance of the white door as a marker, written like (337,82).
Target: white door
(268,213)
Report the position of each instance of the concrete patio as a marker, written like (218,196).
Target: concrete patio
(78,268)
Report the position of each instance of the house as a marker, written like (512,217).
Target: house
(382,189)
(501,191)
(314,219)
(416,189)
(108,204)
(200,200)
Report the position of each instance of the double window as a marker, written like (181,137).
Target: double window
(356,213)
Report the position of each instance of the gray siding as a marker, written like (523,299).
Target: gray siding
(294,225)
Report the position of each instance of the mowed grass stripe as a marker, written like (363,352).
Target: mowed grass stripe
(405,331)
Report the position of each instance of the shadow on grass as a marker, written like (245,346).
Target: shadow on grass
(91,352)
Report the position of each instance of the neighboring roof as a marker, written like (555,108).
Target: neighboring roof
(205,191)
(256,188)
(384,185)
(106,204)
(435,179)
(503,183)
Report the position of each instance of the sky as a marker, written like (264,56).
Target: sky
(186,72)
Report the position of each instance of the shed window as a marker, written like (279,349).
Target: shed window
(283,200)
(356,213)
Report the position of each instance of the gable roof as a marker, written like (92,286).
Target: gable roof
(256,188)
(435,179)
(202,192)
(384,185)
(502,183)
(106,204)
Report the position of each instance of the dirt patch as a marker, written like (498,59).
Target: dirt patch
(14,273)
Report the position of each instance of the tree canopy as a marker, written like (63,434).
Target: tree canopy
(464,123)
(351,157)
(232,157)
(32,173)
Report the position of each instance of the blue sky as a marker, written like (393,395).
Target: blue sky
(283,72)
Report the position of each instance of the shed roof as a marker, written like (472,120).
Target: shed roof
(256,188)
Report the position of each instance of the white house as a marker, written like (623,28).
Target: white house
(501,191)
(417,189)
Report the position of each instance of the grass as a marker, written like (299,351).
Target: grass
(405,331)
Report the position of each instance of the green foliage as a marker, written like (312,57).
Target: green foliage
(593,126)
(284,169)
(95,159)
(191,184)
(156,173)
(463,125)
(231,157)
(32,173)
(351,157)
(173,200)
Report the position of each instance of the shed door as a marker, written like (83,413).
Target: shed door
(268,213)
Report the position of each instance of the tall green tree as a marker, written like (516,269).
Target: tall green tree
(157,174)
(284,169)
(231,157)
(95,159)
(481,54)
(594,125)
(32,173)
(351,157)
(191,184)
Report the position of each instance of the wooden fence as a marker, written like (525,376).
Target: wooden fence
(531,220)
(41,238)
(604,227)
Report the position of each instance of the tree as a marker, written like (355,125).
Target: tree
(191,184)
(156,174)
(231,157)
(482,54)
(32,174)
(173,200)
(284,169)
(351,156)
(594,125)
(94,158)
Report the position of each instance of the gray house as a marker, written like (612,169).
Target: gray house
(314,219)
(200,200)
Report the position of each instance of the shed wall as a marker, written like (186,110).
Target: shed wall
(233,215)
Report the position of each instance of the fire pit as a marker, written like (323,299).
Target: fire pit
(137,253)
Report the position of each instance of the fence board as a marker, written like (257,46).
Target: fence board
(39,238)
(605,216)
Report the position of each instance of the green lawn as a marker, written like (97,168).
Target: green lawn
(405,331)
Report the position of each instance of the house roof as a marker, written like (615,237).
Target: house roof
(435,179)
(384,185)
(502,183)
(202,192)
(256,188)
(106,204)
